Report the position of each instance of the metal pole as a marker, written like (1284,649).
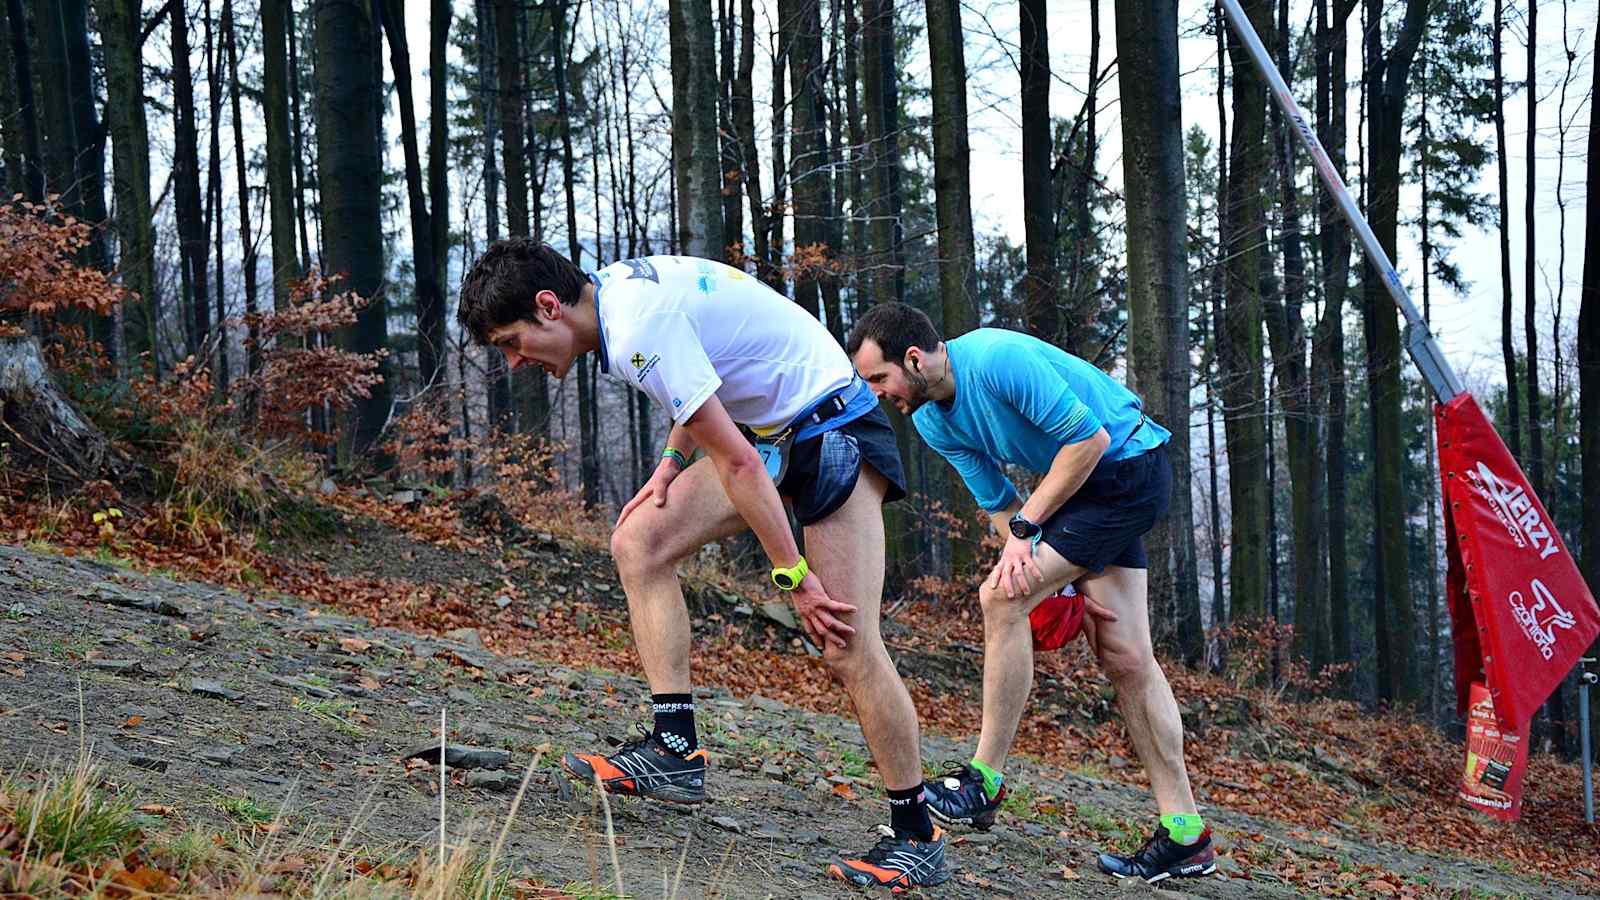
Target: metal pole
(1585,679)
(1424,350)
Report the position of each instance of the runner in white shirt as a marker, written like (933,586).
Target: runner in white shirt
(720,350)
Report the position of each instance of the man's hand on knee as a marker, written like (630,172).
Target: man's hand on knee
(1011,573)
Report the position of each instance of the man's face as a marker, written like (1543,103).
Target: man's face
(906,388)
(547,343)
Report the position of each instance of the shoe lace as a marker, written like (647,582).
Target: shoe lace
(642,735)
(1150,853)
(888,842)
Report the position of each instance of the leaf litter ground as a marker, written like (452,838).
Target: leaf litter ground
(526,644)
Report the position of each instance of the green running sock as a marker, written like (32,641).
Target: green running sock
(991,779)
(1183,828)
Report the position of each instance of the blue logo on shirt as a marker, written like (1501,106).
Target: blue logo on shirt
(642,268)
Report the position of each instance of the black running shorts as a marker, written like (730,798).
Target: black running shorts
(1103,524)
(823,469)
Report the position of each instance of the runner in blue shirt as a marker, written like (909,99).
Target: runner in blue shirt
(993,398)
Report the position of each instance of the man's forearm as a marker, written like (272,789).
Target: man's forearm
(1068,471)
(1000,520)
(756,498)
(681,440)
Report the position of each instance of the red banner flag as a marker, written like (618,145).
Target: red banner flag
(1521,611)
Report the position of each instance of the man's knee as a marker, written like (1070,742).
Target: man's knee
(634,552)
(1126,660)
(850,663)
(997,607)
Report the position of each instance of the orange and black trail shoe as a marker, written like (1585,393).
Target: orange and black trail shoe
(898,861)
(645,767)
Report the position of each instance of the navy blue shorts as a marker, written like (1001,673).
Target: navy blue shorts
(1103,524)
(823,469)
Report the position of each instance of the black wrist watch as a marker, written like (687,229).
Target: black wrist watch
(1024,530)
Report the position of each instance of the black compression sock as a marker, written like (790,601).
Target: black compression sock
(675,722)
(908,813)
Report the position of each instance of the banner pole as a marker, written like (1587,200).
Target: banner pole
(1420,344)
(1585,679)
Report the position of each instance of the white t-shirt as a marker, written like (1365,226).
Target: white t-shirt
(682,329)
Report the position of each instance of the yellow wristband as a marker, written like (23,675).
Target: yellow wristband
(790,578)
(676,455)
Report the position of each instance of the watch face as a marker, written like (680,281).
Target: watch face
(1022,529)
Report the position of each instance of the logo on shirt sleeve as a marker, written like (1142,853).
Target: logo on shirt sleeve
(642,365)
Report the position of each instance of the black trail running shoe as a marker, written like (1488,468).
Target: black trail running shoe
(1161,857)
(897,861)
(958,798)
(645,767)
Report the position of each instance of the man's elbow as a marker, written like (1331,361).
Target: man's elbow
(740,462)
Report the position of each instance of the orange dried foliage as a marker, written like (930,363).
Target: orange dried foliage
(296,375)
(38,273)
(423,443)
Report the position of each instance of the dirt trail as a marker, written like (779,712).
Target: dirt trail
(194,695)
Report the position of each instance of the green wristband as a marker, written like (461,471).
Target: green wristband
(676,455)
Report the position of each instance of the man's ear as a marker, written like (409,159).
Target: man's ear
(913,360)
(546,305)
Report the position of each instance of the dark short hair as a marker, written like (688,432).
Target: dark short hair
(895,328)
(499,288)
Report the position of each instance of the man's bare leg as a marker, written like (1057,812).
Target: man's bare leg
(1008,654)
(647,548)
(846,551)
(1149,709)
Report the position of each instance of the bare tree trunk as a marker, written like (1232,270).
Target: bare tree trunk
(298,133)
(1041,310)
(193,270)
(588,411)
(1513,400)
(1219,607)
(744,130)
(732,157)
(815,289)
(1424,139)
(12,160)
(1328,377)
(1287,329)
(275,24)
(32,167)
(694,134)
(1530,326)
(1242,387)
(1388,75)
(429,289)
(1079,287)
(246,242)
(880,95)
(119,29)
(350,163)
(1589,350)
(214,198)
(857,159)
(780,168)
(1158,286)
(958,274)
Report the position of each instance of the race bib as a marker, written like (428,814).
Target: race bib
(775,455)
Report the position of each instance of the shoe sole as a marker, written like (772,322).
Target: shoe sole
(1206,869)
(680,796)
(981,823)
(937,878)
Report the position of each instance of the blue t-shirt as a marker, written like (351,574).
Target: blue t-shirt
(1018,401)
